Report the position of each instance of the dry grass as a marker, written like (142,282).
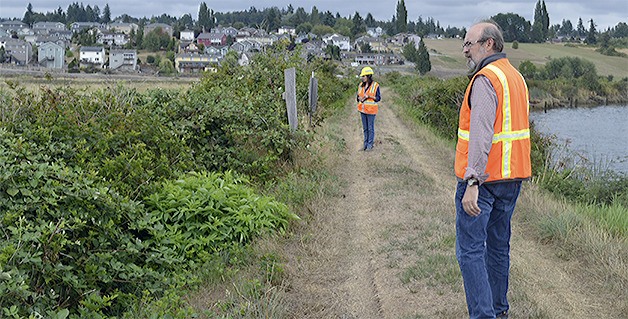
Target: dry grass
(91,82)
(567,265)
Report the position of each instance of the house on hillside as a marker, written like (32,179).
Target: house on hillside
(186,35)
(375,32)
(123,60)
(287,30)
(229,31)
(217,51)
(45,28)
(92,57)
(121,27)
(376,44)
(51,55)
(246,46)
(187,47)
(77,27)
(19,51)
(342,42)
(192,63)
(12,25)
(112,38)
(209,39)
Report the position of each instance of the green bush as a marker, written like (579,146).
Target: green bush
(204,213)
(97,212)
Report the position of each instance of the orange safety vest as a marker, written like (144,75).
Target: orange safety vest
(509,156)
(369,106)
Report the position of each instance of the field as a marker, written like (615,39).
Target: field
(448,55)
(32,80)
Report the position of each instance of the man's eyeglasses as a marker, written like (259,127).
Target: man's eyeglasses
(468,44)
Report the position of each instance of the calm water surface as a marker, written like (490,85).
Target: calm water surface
(597,134)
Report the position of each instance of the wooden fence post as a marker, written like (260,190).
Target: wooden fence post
(290,95)
(313,96)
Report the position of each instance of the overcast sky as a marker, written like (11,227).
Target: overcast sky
(605,13)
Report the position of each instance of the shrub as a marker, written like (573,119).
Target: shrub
(515,45)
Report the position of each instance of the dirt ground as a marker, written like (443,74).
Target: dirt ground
(384,246)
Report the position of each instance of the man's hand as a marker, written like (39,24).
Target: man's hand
(470,201)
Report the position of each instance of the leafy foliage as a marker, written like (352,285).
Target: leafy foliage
(97,212)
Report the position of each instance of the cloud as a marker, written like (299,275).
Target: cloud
(448,12)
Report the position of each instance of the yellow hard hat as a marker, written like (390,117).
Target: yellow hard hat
(366,71)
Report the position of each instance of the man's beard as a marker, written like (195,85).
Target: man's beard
(471,64)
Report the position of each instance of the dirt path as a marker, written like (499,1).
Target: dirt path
(384,247)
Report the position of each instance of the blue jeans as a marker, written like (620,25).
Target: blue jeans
(483,247)
(368,124)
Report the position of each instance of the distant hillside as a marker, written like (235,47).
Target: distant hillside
(449,56)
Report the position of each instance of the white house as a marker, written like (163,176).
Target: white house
(112,39)
(92,56)
(287,30)
(375,32)
(342,42)
(186,35)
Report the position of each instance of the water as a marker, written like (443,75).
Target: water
(598,135)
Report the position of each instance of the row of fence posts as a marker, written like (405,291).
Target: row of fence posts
(290,95)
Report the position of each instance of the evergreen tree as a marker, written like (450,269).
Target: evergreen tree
(370,21)
(328,19)
(205,18)
(566,28)
(272,20)
(358,25)
(540,27)
(591,35)
(409,52)
(299,17)
(545,20)
(315,16)
(580,28)
(106,15)
(139,37)
(401,17)
(423,64)
(28,15)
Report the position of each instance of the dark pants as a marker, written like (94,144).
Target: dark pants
(483,247)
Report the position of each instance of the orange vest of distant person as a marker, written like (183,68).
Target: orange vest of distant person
(369,106)
(509,156)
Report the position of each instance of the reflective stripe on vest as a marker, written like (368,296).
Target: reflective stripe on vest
(369,106)
(512,133)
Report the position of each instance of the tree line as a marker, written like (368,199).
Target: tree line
(269,19)
(516,27)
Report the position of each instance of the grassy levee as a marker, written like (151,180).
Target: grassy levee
(567,256)
(449,55)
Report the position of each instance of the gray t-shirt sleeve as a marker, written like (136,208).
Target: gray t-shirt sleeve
(483,112)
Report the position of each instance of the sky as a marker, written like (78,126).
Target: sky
(458,13)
